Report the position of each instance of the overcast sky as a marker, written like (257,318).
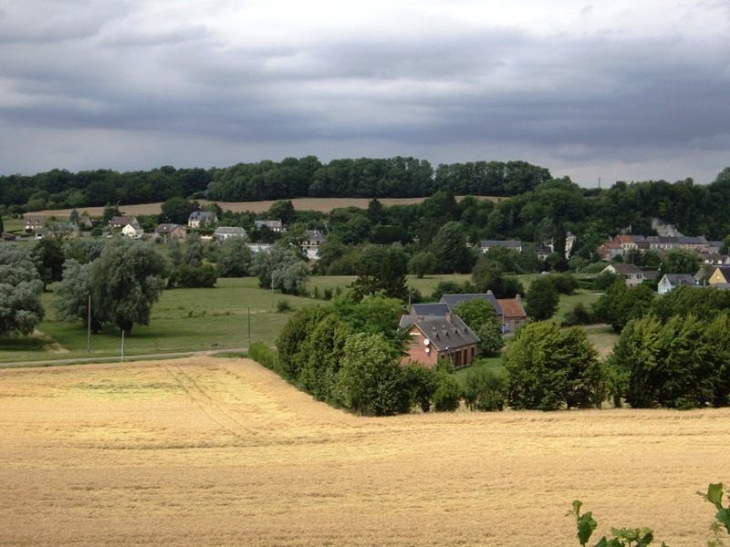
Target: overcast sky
(616,90)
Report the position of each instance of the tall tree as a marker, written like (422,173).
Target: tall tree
(20,285)
(550,367)
(679,364)
(177,210)
(542,298)
(126,281)
(71,296)
(49,257)
(280,269)
(384,269)
(449,246)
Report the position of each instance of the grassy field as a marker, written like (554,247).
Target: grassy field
(222,452)
(183,320)
(228,316)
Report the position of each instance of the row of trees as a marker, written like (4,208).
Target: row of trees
(269,180)
(348,354)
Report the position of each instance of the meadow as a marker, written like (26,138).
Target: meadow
(210,451)
(229,316)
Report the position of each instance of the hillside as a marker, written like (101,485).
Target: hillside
(210,451)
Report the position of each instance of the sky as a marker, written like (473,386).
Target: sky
(598,91)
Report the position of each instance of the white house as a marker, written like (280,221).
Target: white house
(672,281)
(227,232)
(133,230)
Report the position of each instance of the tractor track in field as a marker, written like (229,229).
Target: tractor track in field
(210,406)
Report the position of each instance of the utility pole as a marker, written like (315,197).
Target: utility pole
(88,326)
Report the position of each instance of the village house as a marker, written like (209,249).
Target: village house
(200,219)
(227,232)
(310,245)
(171,231)
(486,244)
(133,230)
(273,225)
(513,313)
(720,276)
(509,311)
(34,223)
(433,338)
(453,300)
(630,273)
(669,282)
(117,223)
(623,244)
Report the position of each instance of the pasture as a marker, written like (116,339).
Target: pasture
(228,316)
(205,451)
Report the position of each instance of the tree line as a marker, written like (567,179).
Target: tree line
(397,177)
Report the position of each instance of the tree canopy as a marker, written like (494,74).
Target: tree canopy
(550,367)
(20,284)
(124,282)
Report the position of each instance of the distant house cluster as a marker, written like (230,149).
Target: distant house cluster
(622,245)
(542,250)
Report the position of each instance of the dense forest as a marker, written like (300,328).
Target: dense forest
(266,180)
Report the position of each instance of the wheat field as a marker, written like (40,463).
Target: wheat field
(210,451)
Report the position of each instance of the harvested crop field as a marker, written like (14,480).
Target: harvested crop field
(207,451)
(323,205)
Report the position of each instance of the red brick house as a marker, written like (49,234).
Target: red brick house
(513,313)
(433,338)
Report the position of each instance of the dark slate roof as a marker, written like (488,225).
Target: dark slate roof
(680,279)
(453,300)
(165,228)
(445,333)
(201,215)
(437,309)
(509,243)
(407,321)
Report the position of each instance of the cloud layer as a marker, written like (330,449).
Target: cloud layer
(605,90)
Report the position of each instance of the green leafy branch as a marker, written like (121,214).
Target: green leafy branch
(642,537)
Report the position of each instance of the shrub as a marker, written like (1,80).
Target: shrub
(579,315)
(447,396)
(485,390)
(283,306)
(265,356)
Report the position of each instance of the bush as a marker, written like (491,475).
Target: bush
(265,356)
(422,383)
(283,306)
(447,396)
(188,277)
(579,315)
(485,390)
(564,283)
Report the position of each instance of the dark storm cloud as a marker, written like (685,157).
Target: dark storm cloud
(593,96)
